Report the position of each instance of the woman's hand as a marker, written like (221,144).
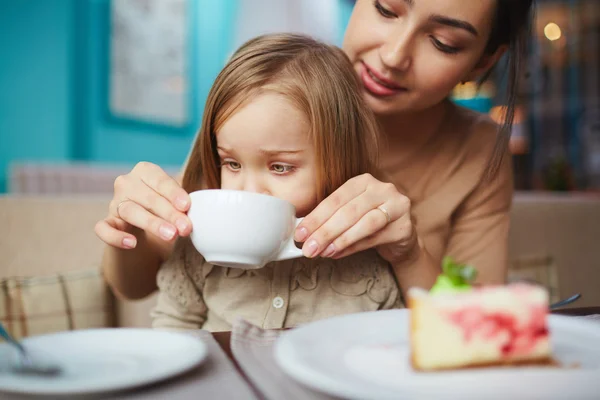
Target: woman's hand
(149,199)
(363,213)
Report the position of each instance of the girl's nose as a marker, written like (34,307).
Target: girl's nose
(254,183)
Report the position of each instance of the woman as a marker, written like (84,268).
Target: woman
(445,181)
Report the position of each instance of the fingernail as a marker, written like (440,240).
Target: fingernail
(129,242)
(181,203)
(181,225)
(167,232)
(301,234)
(310,248)
(329,251)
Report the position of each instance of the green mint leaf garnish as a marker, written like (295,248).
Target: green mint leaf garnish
(455,277)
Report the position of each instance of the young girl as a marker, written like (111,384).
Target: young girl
(285,118)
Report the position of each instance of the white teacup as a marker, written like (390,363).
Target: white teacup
(240,229)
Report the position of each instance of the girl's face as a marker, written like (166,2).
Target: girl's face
(410,54)
(264,147)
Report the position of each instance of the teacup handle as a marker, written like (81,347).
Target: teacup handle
(290,250)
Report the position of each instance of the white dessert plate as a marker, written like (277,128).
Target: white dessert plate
(366,356)
(102,360)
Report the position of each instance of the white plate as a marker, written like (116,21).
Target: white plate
(101,360)
(366,356)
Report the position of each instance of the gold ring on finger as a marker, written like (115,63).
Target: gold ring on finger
(386,213)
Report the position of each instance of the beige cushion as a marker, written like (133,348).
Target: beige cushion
(37,305)
(555,239)
(44,235)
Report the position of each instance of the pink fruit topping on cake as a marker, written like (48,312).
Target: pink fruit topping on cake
(458,326)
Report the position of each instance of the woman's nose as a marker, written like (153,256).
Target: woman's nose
(396,52)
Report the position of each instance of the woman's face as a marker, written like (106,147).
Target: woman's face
(410,54)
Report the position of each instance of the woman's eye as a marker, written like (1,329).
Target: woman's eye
(444,47)
(281,169)
(383,11)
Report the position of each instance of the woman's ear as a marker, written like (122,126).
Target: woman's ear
(486,62)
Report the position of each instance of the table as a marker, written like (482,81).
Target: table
(221,377)
(578,311)
(224,338)
(216,378)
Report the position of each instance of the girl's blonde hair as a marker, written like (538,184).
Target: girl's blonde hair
(319,80)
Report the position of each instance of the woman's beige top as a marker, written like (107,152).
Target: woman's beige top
(195,294)
(456,211)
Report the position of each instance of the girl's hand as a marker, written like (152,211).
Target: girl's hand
(149,199)
(363,213)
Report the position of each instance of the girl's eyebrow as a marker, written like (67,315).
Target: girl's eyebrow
(279,152)
(268,152)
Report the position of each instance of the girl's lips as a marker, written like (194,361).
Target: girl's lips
(377,85)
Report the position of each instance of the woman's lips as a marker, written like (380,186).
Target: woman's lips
(377,85)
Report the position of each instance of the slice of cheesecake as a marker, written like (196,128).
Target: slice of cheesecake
(482,326)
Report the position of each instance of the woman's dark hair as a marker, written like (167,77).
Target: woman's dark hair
(512,28)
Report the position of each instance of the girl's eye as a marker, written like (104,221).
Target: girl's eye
(232,165)
(383,11)
(444,47)
(281,169)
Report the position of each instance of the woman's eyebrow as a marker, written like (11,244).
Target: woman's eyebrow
(454,23)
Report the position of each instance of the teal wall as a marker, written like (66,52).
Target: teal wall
(117,141)
(53,72)
(53,80)
(36,53)
(345,10)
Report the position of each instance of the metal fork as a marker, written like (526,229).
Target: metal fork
(565,302)
(27,365)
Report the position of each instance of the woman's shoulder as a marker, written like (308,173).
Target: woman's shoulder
(477,131)
(476,137)
(479,137)
(464,154)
